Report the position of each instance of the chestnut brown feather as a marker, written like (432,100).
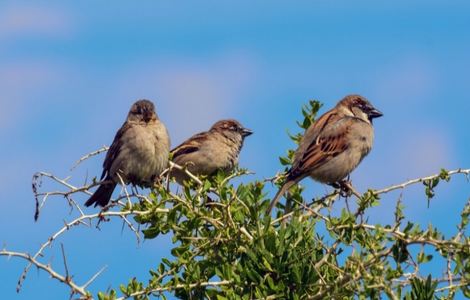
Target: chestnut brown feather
(334,145)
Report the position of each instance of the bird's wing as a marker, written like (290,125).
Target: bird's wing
(192,144)
(114,149)
(326,139)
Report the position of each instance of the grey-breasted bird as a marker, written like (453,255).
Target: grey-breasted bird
(334,145)
(139,152)
(206,152)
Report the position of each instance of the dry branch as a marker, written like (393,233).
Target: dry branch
(313,209)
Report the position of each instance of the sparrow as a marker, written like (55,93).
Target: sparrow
(139,153)
(206,152)
(334,145)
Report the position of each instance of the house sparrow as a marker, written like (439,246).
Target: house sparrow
(209,151)
(334,145)
(138,154)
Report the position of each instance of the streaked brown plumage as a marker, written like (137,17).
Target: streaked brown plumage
(206,152)
(139,152)
(334,145)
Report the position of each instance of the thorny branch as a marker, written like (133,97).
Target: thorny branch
(176,287)
(466,172)
(81,221)
(74,287)
(86,219)
(70,190)
(87,156)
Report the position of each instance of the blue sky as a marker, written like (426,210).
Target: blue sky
(70,71)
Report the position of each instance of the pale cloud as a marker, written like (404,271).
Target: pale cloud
(424,151)
(412,78)
(415,152)
(20,80)
(192,92)
(22,20)
(22,76)
(18,83)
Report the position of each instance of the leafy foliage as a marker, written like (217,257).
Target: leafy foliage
(226,247)
(422,289)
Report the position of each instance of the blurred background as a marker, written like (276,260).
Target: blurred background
(70,71)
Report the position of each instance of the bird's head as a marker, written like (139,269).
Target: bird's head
(142,111)
(231,127)
(359,107)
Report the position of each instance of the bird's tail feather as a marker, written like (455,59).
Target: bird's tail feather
(102,195)
(279,194)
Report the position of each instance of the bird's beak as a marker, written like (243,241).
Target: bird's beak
(147,116)
(374,113)
(246,132)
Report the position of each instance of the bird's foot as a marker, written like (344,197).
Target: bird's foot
(158,180)
(101,217)
(209,202)
(345,188)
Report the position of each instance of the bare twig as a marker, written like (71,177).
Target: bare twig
(64,279)
(67,274)
(78,221)
(329,199)
(185,170)
(345,279)
(123,184)
(418,180)
(176,287)
(87,156)
(37,180)
(94,277)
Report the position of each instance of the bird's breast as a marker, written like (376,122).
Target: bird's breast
(337,168)
(143,154)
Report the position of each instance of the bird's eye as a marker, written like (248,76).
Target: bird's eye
(361,105)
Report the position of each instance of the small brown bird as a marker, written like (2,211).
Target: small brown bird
(138,154)
(334,145)
(206,152)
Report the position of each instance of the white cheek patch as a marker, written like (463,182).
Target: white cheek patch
(361,115)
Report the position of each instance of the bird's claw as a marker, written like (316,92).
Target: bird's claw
(344,187)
